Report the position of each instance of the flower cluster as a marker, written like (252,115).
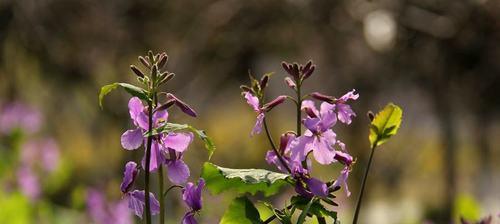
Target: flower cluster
(294,150)
(163,147)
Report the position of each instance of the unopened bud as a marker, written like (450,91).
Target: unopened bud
(284,139)
(290,83)
(263,81)
(296,71)
(137,71)
(323,97)
(307,66)
(285,66)
(245,88)
(308,72)
(165,106)
(144,62)
(370,115)
(167,78)
(310,112)
(162,60)
(154,73)
(269,106)
(183,106)
(151,57)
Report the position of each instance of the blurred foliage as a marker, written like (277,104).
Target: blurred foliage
(440,57)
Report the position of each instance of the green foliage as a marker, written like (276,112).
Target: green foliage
(316,208)
(16,208)
(242,211)
(172,127)
(305,211)
(219,179)
(467,207)
(131,89)
(385,124)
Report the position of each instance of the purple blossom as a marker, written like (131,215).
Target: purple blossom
(129,176)
(254,102)
(344,111)
(318,137)
(104,213)
(28,183)
(19,116)
(176,144)
(136,202)
(43,153)
(191,195)
(342,180)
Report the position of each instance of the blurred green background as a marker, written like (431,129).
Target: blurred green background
(437,59)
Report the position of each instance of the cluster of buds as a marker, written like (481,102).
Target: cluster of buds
(155,64)
(298,72)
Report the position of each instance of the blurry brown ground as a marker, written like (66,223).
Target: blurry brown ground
(438,59)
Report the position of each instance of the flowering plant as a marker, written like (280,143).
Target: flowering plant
(166,142)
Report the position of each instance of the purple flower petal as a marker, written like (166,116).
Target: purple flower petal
(253,101)
(310,104)
(343,158)
(344,113)
(272,158)
(132,139)
(129,175)
(178,171)
(257,129)
(28,183)
(328,116)
(136,110)
(342,180)
(156,157)
(312,124)
(159,117)
(137,201)
(323,153)
(189,218)
(178,141)
(349,96)
(300,147)
(317,187)
(191,195)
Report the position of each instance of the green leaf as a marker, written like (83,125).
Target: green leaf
(219,179)
(316,208)
(242,211)
(385,124)
(172,127)
(131,89)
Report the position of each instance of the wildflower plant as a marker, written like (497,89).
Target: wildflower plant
(314,139)
(164,142)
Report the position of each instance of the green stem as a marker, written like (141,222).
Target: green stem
(162,196)
(280,157)
(299,111)
(363,183)
(148,158)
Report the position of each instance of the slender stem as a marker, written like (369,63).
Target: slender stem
(299,111)
(148,158)
(280,157)
(162,196)
(170,188)
(363,183)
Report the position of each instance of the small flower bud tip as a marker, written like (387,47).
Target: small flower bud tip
(137,71)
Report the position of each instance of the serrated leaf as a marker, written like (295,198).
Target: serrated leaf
(131,89)
(219,179)
(173,127)
(316,208)
(385,124)
(242,211)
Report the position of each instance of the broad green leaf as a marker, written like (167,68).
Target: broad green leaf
(241,211)
(219,179)
(131,89)
(316,208)
(385,124)
(172,127)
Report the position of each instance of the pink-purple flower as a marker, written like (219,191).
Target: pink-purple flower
(191,195)
(254,102)
(344,111)
(102,212)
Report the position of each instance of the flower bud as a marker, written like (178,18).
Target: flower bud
(151,57)
(308,72)
(370,115)
(167,78)
(269,106)
(322,97)
(165,106)
(295,71)
(154,73)
(183,106)
(137,71)
(129,176)
(289,82)
(245,88)
(162,61)
(309,111)
(144,62)
(284,139)
(263,81)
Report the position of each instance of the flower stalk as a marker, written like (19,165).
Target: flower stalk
(148,160)
(363,184)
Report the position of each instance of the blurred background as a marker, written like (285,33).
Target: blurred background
(60,154)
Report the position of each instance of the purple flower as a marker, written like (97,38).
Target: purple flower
(254,102)
(318,137)
(175,144)
(136,202)
(29,183)
(191,195)
(43,153)
(344,111)
(317,187)
(104,213)
(19,116)
(342,180)
(129,176)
